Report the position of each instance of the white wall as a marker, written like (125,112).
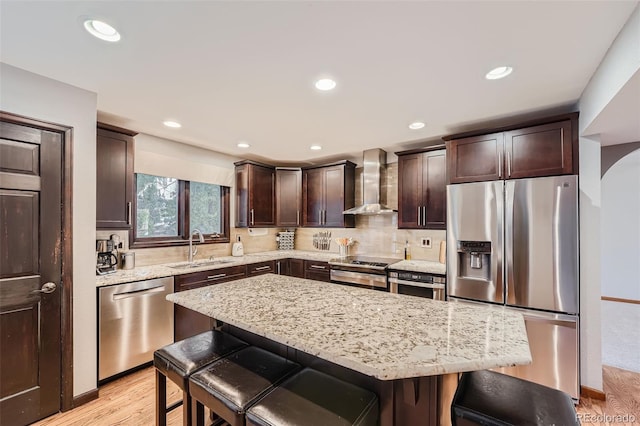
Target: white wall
(620,219)
(590,331)
(41,98)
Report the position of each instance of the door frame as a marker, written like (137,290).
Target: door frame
(66,301)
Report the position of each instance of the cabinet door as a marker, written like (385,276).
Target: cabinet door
(476,159)
(268,267)
(296,268)
(114,184)
(242,196)
(410,190)
(334,196)
(545,150)
(313,197)
(283,267)
(288,197)
(316,270)
(434,189)
(262,192)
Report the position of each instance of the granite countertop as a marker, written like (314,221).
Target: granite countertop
(165,270)
(420,266)
(387,336)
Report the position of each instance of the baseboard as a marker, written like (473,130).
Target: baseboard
(84,398)
(587,392)
(618,299)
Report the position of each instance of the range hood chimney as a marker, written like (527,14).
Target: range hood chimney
(375,162)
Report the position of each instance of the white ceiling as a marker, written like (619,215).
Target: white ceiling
(231,71)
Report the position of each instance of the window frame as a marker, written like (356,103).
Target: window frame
(184,231)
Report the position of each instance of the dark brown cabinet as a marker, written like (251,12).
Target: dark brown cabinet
(296,268)
(422,195)
(255,194)
(316,270)
(114,177)
(268,267)
(187,322)
(288,197)
(283,266)
(548,148)
(327,191)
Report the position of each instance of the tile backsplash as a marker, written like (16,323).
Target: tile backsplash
(374,235)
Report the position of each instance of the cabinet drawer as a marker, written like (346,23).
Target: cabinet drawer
(212,276)
(316,270)
(267,267)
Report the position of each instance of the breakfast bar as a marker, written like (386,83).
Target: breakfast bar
(406,349)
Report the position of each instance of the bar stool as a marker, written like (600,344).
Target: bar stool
(229,386)
(179,360)
(493,399)
(312,398)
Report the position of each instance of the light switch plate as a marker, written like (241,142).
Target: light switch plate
(425,242)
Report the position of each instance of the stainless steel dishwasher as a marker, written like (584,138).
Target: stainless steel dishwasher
(134,319)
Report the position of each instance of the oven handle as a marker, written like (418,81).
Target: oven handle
(416,284)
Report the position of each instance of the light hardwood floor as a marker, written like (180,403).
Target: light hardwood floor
(131,401)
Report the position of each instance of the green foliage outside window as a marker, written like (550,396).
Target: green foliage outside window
(205,208)
(157,206)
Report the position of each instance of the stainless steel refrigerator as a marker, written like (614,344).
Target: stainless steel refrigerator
(515,243)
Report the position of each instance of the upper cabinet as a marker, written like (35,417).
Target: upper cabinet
(545,149)
(255,194)
(114,177)
(422,197)
(327,191)
(288,197)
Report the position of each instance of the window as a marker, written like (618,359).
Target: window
(167,210)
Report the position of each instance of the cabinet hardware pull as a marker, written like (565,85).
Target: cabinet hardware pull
(129,213)
(500,164)
(318,267)
(214,277)
(278,266)
(262,268)
(297,217)
(424,215)
(320,216)
(252,217)
(509,163)
(418,220)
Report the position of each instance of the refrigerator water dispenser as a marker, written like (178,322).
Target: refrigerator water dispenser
(474,260)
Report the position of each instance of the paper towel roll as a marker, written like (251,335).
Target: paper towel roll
(443,252)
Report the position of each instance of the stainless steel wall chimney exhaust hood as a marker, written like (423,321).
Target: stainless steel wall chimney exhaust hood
(375,162)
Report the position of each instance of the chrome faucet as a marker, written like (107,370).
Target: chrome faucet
(193,250)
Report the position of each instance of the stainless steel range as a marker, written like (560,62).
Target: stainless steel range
(370,272)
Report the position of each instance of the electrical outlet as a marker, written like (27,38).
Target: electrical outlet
(425,242)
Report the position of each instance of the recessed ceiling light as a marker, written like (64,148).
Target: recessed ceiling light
(325,84)
(172,124)
(499,72)
(316,147)
(243,145)
(102,30)
(416,125)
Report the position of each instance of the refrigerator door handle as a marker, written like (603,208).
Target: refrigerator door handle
(509,190)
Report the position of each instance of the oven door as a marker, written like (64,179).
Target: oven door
(418,289)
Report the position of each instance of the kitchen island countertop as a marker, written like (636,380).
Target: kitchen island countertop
(387,336)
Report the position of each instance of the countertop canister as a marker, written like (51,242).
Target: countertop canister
(128,260)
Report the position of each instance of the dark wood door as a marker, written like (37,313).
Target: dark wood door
(313,196)
(288,197)
(262,192)
(476,159)
(242,195)
(114,184)
(544,150)
(410,190)
(296,268)
(317,270)
(283,267)
(31,241)
(334,178)
(434,190)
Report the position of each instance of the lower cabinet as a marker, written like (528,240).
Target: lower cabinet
(187,322)
(283,266)
(268,267)
(296,268)
(316,270)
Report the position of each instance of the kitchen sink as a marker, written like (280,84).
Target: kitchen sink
(187,265)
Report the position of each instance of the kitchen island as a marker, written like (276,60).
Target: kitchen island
(403,348)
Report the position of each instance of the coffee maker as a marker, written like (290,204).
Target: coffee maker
(106,260)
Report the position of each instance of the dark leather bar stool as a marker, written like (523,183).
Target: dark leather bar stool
(493,399)
(312,398)
(179,360)
(231,385)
